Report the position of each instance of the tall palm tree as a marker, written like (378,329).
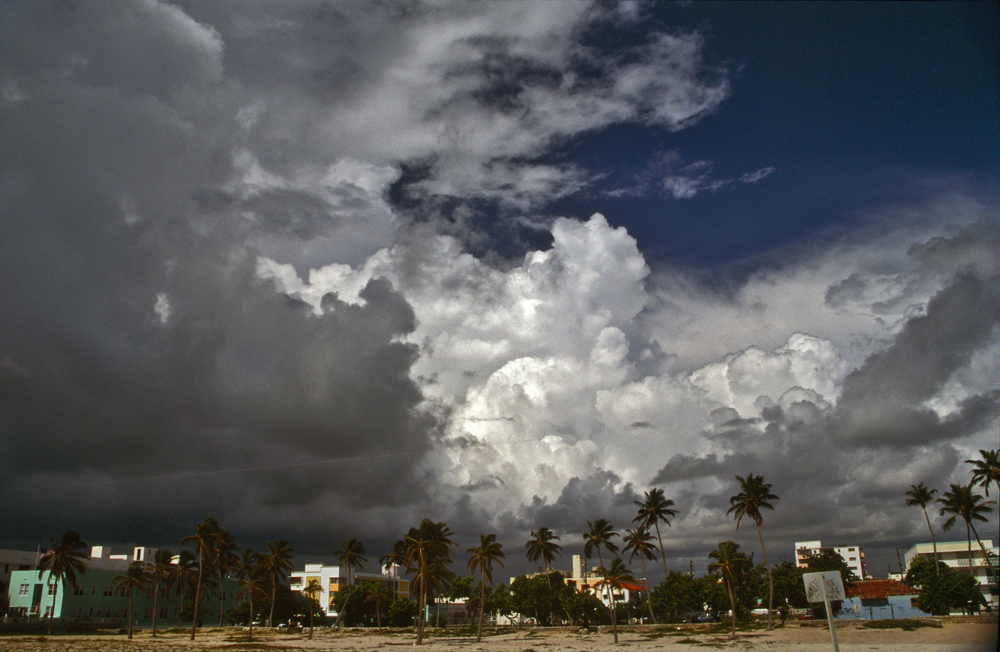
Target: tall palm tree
(754,496)
(225,561)
(428,552)
(63,561)
(542,546)
(350,555)
(653,508)
(277,562)
(376,594)
(187,573)
(640,542)
(599,535)
(490,551)
(727,562)
(921,494)
(961,501)
(986,470)
(205,539)
(613,578)
(161,572)
(251,584)
(135,579)
(396,557)
(311,591)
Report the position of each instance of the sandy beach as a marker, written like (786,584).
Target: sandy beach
(979,636)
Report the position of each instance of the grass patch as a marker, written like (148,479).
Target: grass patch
(905,624)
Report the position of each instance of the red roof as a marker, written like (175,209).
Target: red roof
(875,589)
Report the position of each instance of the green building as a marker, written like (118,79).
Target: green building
(94,599)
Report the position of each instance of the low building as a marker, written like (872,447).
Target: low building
(853,556)
(333,579)
(10,561)
(34,595)
(956,555)
(879,600)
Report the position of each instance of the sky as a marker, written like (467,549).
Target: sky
(320,270)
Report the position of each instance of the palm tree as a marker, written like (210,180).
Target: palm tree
(313,589)
(542,546)
(276,563)
(483,557)
(921,494)
(639,542)
(251,584)
(961,501)
(205,539)
(187,572)
(135,579)
(428,551)
(652,509)
(225,561)
(377,593)
(350,555)
(986,470)
(753,497)
(599,535)
(63,561)
(615,577)
(397,557)
(161,570)
(727,562)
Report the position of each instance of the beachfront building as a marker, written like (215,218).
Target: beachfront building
(879,600)
(956,555)
(333,579)
(853,556)
(10,561)
(94,598)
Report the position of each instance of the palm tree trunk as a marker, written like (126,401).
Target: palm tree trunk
(614,620)
(251,613)
(197,595)
(482,606)
(156,594)
(310,619)
(222,594)
(732,603)
(968,535)
(937,571)
(130,613)
(770,580)
(423,599)
(649,597)
(663,555)
(986,557)
(274,591)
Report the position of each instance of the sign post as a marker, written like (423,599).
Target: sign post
(823,587)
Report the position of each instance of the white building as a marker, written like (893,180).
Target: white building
(334,578)
(956,555)
(10,561)
(853,556)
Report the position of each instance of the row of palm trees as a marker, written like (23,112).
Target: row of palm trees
(426,551)
(961,501)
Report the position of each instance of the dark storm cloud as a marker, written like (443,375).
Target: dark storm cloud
(882,402)
(137,339)
(583,499)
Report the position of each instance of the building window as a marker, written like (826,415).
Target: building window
(164,612)
(124,612)
(52,588)
(24,589)
(108,591)
(148,613)
(78,590)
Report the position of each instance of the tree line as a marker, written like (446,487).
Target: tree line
(426,552)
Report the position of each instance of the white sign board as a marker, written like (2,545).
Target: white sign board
(827,585)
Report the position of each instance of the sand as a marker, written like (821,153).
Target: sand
(798,637)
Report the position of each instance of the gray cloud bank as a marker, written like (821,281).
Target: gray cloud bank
(214,259)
